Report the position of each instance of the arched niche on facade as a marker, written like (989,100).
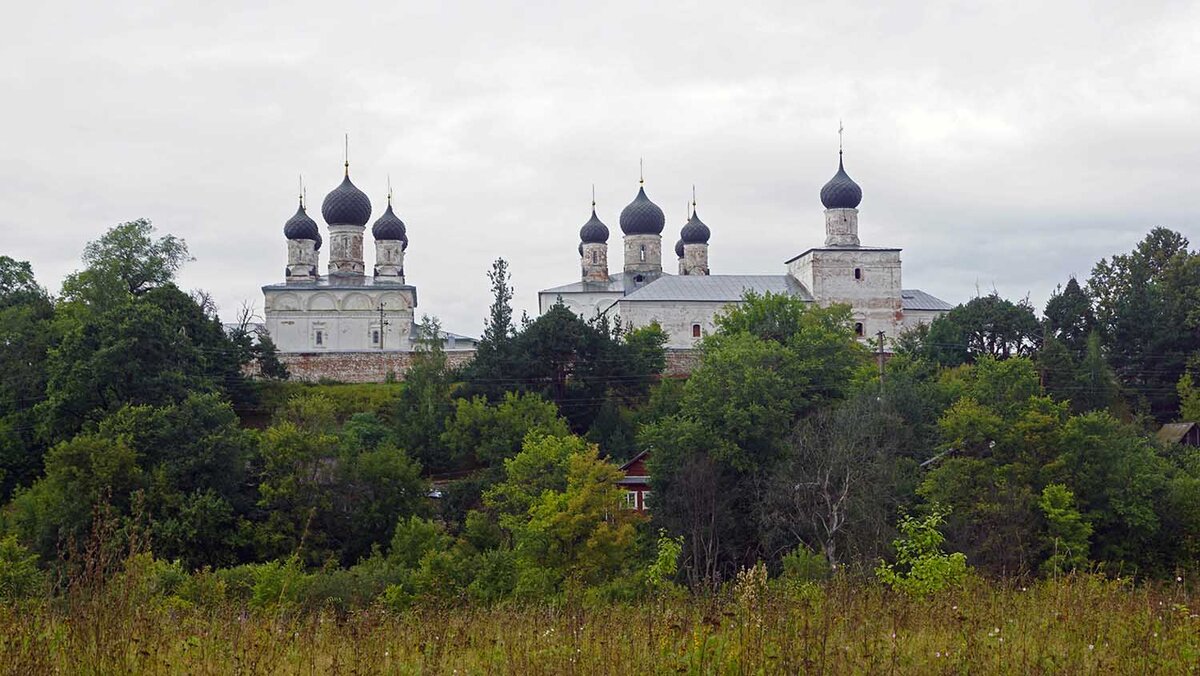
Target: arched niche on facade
(285,302)
(357,301)
(322,301)
(394,301)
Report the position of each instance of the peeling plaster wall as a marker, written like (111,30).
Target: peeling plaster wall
(346,318)
(873,295)
(675,317)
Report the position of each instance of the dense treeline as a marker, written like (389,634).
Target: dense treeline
(127,424)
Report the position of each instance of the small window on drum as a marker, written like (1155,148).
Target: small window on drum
(695,330)
(643,253)
(858,273)
(858,329)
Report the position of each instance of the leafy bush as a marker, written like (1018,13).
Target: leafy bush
(19,574)
(802,564)
(921,566)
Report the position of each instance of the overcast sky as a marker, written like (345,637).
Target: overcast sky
(1003,145)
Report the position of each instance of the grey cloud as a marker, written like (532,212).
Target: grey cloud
(1000,145)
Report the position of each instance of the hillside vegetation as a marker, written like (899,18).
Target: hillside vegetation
(991,498)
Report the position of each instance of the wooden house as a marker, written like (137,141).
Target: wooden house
(636,483)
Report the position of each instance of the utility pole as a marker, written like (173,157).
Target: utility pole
(880,356)
(382,323)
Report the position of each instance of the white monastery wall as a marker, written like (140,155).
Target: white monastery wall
(677,318)
(319,320)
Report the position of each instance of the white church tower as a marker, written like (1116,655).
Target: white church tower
(593,249)
(304,245)
(346,209)
(843,271)
(642,223)
(693,245)
(391,241)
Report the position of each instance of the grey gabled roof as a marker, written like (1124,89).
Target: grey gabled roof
(716,288)
(1173,433)
(916,299)
(617,282)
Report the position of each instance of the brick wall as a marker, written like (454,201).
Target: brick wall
(358,367)
(374,367)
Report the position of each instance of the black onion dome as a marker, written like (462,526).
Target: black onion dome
(593,232)
(679,249)
(642,217)
(695,231)
(841,192)
(346,205)
(301,226)
(389,227)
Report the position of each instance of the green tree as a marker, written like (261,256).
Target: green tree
(27,332)
(1189,399)
(921,566)
(1067,533)
(478,433)
(1146,304)
(772,361)
(1118,480)
(986,325)
(81,475)
(1069,317)
(420,414)
(126,261)
(153,349)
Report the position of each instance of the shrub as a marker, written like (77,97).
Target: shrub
(802,564)
(921,566)
(19,574)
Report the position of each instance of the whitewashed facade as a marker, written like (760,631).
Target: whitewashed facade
(868,279)
(345,310)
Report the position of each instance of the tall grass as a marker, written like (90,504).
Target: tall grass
(1082,624)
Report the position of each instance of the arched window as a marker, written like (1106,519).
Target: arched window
(695,330)
(375,337)
(593,257)
(858,329)
(319,338)
(643,253)
(858,273)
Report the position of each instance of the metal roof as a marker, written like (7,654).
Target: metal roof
(390,227)
(594,231)
(1173,433)
(343,282)
(841,192)
(716,288)
(916,299)
(346,205)
(616,284)
(842,248)
(642,217)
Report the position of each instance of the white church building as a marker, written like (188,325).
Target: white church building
(346,310)
(685,304)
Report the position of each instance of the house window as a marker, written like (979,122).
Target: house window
(858,329)
(320,337)
(645,499)
(631,500)
(858,273)
(375,337)
(695,330)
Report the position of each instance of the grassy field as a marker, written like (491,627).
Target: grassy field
(1083,625)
